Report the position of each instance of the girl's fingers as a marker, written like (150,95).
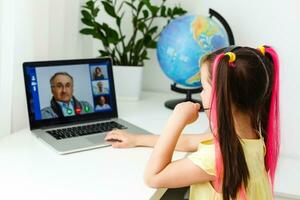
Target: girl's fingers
(117,144)
(197,105)
(111,135)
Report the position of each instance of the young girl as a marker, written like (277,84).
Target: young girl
(238,159)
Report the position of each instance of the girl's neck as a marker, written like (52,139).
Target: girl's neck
(243,127)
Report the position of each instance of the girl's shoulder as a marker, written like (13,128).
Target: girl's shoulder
(208,144)
(257,141)
(204,157)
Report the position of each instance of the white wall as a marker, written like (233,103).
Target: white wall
(6,63)
(48,29)
(44,30)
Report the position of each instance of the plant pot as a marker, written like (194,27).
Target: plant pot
(128,82)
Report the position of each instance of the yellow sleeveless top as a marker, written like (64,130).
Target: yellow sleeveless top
(259,186)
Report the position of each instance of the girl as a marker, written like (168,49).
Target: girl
(240,96)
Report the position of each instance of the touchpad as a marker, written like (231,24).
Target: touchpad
(96,139)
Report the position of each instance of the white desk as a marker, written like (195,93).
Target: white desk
(30,170)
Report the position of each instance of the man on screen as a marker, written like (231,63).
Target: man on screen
(63,103)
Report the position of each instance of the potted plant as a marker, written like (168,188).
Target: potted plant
(130,49)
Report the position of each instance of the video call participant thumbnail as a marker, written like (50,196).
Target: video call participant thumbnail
(98,74)
(102,103)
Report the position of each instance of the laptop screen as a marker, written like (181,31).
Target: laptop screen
(69,91)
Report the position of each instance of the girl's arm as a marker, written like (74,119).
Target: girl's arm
(160,170)
(123,139)
(186,142)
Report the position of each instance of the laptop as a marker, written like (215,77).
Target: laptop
(72,103)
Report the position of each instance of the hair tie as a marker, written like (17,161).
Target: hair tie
(262,49)
(232,58)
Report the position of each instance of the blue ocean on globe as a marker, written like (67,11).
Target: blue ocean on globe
(183,42)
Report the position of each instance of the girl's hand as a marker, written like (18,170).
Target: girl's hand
(121,139)
(187,111)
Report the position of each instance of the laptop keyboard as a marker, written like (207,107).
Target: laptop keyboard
(85,130)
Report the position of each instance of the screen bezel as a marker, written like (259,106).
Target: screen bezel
(44,123)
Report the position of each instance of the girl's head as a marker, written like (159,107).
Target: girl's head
(241,80)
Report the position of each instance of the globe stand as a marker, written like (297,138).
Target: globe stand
(172,103)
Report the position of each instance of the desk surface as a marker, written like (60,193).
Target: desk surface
(31,170)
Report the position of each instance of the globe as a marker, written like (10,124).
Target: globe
(182,44)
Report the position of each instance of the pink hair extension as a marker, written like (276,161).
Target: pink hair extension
(214,125)
(218,155)
(273,129)
(243,193)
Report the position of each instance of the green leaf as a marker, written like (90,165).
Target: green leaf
(169,12)
(149,42)
(152,30)
(95,12)
(152,44)
(104,53)
(146,13)
(147,3)
(141,26)
(144,55)
(87,31)
(86,14)
(153,9)
(111,34)
(178,11)
(109,9)
(163,11)
(147,39)
(97,25)
(89,5)
(87,22)
(99,34)
(140,6)
(139,45)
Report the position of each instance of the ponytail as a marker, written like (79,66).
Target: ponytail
(273,125)
(231,167)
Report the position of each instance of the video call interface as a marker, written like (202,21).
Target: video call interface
(68,90)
